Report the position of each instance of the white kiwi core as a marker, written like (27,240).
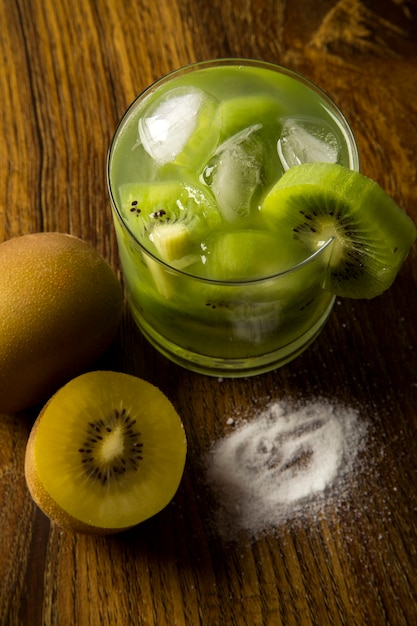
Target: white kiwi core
(112,446)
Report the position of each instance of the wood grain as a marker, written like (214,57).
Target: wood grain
(68,71)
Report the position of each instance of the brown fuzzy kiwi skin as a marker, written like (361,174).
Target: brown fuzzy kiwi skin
(60,307)
(43,500)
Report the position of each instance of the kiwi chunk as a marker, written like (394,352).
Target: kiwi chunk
(171,216)
(370,235)
(106,453)
(250,254)
(236,114)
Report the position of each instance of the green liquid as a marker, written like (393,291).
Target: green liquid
(222,296)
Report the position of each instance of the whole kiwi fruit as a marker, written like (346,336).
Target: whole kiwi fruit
(60,306)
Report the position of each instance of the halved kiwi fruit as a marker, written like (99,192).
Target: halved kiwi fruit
(371,236)
(106,452)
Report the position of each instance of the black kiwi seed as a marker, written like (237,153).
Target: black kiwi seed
(158,214)
(307,304)
(96,432)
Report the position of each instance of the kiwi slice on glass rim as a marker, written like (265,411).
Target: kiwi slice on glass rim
(369,235)
(106,452)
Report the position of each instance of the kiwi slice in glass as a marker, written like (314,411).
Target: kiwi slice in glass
(106,452)
(370,235)
(169,217)
(171,220)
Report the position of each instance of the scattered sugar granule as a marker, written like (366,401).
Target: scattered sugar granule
(282,462)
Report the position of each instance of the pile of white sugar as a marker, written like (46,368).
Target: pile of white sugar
(286,462)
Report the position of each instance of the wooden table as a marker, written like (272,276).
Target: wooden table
(69,68)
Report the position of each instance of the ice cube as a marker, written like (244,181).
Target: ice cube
(306,140)
(238,139)
(235,173)
(166,128)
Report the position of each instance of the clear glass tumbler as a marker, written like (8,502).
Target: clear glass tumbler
(170,138)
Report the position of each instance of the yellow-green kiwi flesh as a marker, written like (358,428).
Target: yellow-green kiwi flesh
(60,308)
(106,453)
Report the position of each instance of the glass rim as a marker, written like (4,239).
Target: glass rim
(339,117)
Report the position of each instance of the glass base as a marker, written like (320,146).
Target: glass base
(232,368)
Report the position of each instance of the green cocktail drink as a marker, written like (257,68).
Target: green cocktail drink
(190,165)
